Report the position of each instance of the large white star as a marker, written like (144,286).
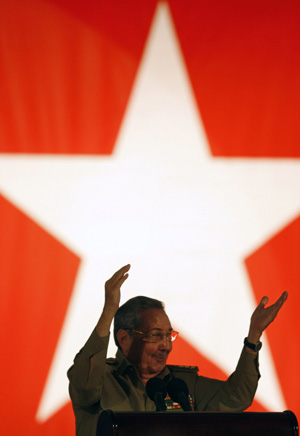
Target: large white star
(183,219)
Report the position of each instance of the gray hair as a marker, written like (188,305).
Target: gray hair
(128,316)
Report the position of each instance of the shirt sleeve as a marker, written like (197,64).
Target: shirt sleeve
(85,390)
(233,395)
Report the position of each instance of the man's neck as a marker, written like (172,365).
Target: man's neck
(146,377)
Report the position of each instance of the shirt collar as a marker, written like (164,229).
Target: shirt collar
(122,362)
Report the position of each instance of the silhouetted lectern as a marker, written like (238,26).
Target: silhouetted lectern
(197,424)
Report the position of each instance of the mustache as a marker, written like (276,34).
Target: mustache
(162,354)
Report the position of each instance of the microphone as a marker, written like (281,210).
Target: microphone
(157,390)
(178,391)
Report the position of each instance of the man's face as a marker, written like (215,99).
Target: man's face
(148,357)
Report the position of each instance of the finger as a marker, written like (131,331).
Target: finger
(122,280)
(281,300)
(263,301)
(284,296)
(120,273)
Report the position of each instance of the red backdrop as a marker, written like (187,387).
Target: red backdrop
(66,74)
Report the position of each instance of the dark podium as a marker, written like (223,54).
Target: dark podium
(197,424)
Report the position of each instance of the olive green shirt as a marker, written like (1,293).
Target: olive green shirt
(115,384)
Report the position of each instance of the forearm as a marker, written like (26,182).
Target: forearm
(242,384)
(85,386)
(105,321)
(236,393)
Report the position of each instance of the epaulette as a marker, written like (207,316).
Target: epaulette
(183,368)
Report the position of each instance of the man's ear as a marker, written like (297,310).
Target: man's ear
(124,340)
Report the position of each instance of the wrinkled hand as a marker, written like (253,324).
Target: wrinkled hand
(263,316)
(113,288)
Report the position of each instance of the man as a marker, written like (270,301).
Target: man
(144,335)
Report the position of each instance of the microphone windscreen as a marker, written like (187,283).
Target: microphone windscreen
(155,385)
(177,386)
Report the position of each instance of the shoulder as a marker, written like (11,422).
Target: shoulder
(183,368)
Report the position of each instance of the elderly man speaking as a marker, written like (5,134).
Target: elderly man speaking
(143,334)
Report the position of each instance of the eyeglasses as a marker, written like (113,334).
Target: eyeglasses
(157,337)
